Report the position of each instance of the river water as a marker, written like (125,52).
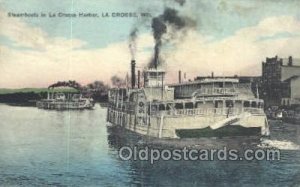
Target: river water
(75,148)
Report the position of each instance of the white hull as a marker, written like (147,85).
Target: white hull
(166,126)
(64,105)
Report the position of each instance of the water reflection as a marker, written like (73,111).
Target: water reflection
(75,148)
(206,173)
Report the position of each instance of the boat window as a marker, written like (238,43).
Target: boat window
(179,106)
(189,105)
(198,104)
(246,104)
(131,98)
(168,107)
(153,108)
(162,107)
(219,104)
(229,103)
(253,104)
(261,105)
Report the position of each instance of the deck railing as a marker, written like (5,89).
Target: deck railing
(130,107)
(216,91)
(209,111)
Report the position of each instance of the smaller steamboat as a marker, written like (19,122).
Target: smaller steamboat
(62,101)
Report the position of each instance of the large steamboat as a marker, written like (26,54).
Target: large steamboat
(211,107)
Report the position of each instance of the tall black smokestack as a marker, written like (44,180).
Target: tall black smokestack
(132,42)
(179,76)
(132,73)
(290,63)
(139,79)
(156,55)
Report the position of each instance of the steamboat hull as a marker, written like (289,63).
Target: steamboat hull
(190,126)
(226,131)
(64,105)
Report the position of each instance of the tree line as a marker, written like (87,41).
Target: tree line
(98,90)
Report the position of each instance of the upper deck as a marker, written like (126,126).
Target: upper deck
(213,87)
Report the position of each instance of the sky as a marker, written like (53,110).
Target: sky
(230,37)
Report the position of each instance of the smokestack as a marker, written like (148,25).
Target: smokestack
(139,78)
(144,77)
(212,74)
(290,63)
(179,76)
(132,73)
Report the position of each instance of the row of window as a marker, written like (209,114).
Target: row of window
(190,105)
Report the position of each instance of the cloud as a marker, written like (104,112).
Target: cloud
(24,35)
(241,53)
(50,59)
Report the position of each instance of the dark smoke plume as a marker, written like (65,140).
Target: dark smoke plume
(159,28)
(169,19)
(180,2)
(117,81)
(132,42)
(69,83)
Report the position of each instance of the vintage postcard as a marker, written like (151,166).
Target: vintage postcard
(150,93)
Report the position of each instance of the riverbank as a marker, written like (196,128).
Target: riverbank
(29,96)
(21,98)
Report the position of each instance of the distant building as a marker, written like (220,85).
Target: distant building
(294,92)
(280,80)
